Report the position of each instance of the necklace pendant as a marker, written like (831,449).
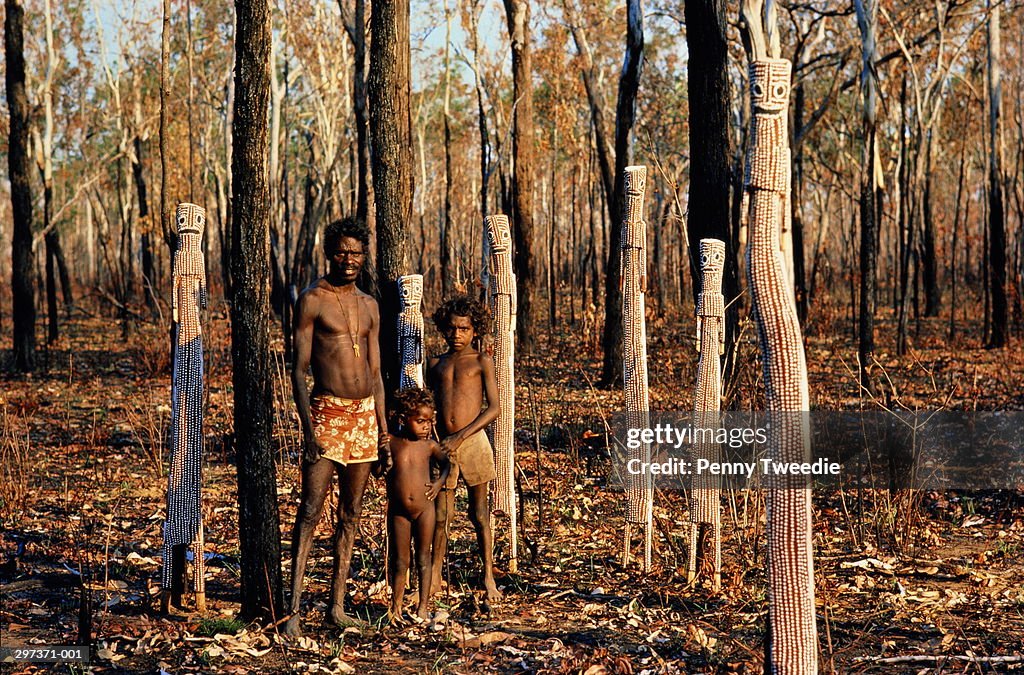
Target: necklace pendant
(355,348)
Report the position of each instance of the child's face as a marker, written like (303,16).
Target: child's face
(420,421)
(459,332)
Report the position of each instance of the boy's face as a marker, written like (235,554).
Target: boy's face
(420,421)
(459,332)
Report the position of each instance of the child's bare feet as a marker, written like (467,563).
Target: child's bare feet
(436,583)
(339,618)
(395,619)
(423,612)
(291,627)
(493,594)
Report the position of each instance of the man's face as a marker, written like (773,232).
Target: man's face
(347,258)
(459,333)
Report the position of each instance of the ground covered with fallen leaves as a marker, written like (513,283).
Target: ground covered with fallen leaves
(906,582)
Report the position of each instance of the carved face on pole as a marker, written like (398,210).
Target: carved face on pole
(410,290)
(191,219)
(769,85)
(712,255)
(498,234)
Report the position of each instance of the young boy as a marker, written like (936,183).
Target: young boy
(410,491)
(467,395)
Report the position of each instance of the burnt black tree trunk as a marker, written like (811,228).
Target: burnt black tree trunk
(710,150)
(625,116)
(19,168)
(258,529)
(870,191)
(391,155)
(356,29)
(518,14)
(996,211)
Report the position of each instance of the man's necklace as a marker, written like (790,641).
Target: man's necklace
(353,331)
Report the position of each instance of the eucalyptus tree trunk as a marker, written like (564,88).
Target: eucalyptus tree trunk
(517,13)
(996,210)
(391,153)
(708,204)
(870,189)
(19,169)
(259,531)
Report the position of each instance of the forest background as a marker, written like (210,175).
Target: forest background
(949,138)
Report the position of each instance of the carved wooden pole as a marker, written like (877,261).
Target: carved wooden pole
(503,311)
(639,488)
(794,642)
(707,402)
(184,524)
(410,330)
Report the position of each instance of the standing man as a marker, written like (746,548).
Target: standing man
(343,423)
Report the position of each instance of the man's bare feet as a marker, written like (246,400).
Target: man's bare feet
(423,612)
(436,584)
(395,619)
(292,627)
(339,618)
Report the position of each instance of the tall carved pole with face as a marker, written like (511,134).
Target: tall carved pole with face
(184,524)
(706,489)
(639,488)
(503,313)
(794,644)
(410,330)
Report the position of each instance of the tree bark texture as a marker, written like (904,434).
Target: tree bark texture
(998,336)
(518,14)
(625,116)
(19,169)
(259,531)
(870,189)
(708,214)
(391,154)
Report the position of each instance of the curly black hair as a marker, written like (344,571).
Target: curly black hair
(346,227)
(409,400)
(463,305)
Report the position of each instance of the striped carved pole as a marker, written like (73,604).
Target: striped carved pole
(503,311)
(794,643)
(410,330)
(633,263)
(184,524)
(707,402)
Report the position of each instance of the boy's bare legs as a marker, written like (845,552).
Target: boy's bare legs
(423,528)
(444,505)
(399,535)
(352,483)
(480,516)
(316,482)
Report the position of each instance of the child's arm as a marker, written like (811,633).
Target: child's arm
(487,415)
(441,457)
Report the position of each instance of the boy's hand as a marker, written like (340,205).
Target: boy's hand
(434,489)
(451,444)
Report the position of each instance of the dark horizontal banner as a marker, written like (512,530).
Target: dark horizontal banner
(941,450)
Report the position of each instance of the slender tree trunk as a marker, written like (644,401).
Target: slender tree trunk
(19,170)
(391,153)
(953,246)
(996,212)
(517,13)
(929,256)
(259,531)
(708,215)
(446,228)
(870,190)
(625,116)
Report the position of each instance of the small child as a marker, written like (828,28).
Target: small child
(410,491)
(467,395)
